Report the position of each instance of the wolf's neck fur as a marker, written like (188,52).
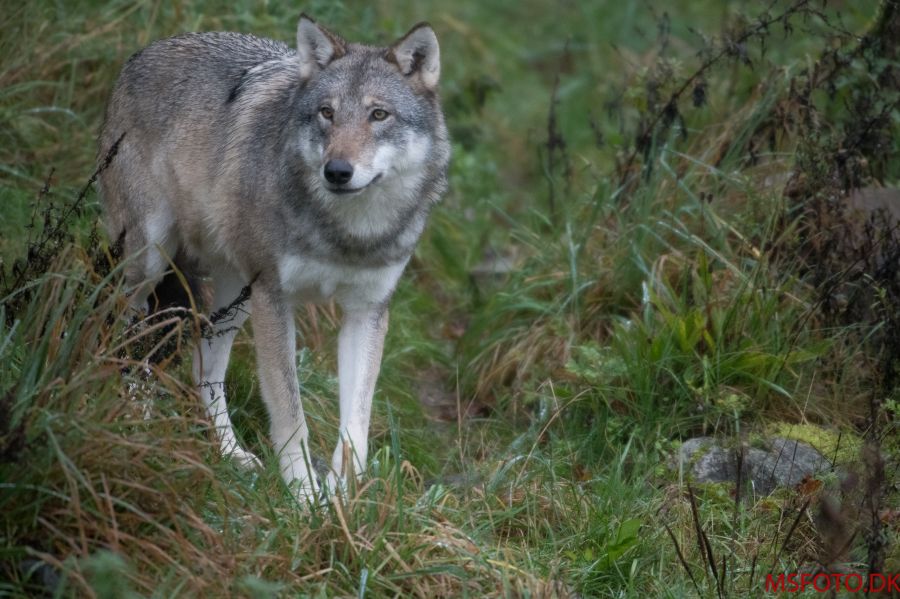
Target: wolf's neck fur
(387,220)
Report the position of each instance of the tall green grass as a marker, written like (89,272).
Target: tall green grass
(640,311)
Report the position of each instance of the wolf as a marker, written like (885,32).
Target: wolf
(305,174)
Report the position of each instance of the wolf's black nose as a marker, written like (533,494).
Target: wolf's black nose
(338,171)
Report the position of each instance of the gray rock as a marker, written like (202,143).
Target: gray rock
(707,461)
(786,464)
(783,463)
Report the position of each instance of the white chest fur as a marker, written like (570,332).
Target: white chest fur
(312,280)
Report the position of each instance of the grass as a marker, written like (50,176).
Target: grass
(523,421)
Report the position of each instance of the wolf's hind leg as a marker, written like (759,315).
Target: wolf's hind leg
(211,361)
(150,248)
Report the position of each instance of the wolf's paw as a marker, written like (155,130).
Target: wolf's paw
(301,478)
(309,496)
(243,458)
(334,485)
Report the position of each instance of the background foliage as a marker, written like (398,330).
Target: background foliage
(646,240)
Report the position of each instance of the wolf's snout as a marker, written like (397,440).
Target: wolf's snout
(338,172)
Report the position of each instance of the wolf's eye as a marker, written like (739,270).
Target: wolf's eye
(379,115)
(327,112)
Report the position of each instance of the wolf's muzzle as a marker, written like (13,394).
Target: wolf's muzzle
(338,172)
(351,190)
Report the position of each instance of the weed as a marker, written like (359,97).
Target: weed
(665,193)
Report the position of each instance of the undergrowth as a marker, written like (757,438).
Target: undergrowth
(649,238)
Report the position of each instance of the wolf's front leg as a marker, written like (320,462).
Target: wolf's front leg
(360,345)
(273,332)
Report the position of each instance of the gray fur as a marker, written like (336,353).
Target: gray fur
(222,166)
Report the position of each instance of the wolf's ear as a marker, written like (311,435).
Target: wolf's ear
(316,46)
(417,54)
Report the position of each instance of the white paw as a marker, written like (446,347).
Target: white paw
(243,458)
(301,478)
(341,486)
(308,494)
(334,485)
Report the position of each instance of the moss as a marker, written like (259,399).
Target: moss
(842,447)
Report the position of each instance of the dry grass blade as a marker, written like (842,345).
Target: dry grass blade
(681,559)
(790,532)
(706,552)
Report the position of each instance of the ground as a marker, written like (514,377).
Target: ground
(642,243)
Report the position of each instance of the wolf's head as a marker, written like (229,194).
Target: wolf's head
(370,116)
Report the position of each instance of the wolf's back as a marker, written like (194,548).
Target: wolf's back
(183,75)
(171,102)
(182,81)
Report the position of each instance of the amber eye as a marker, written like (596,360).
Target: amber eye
(327,112)
(379,114)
